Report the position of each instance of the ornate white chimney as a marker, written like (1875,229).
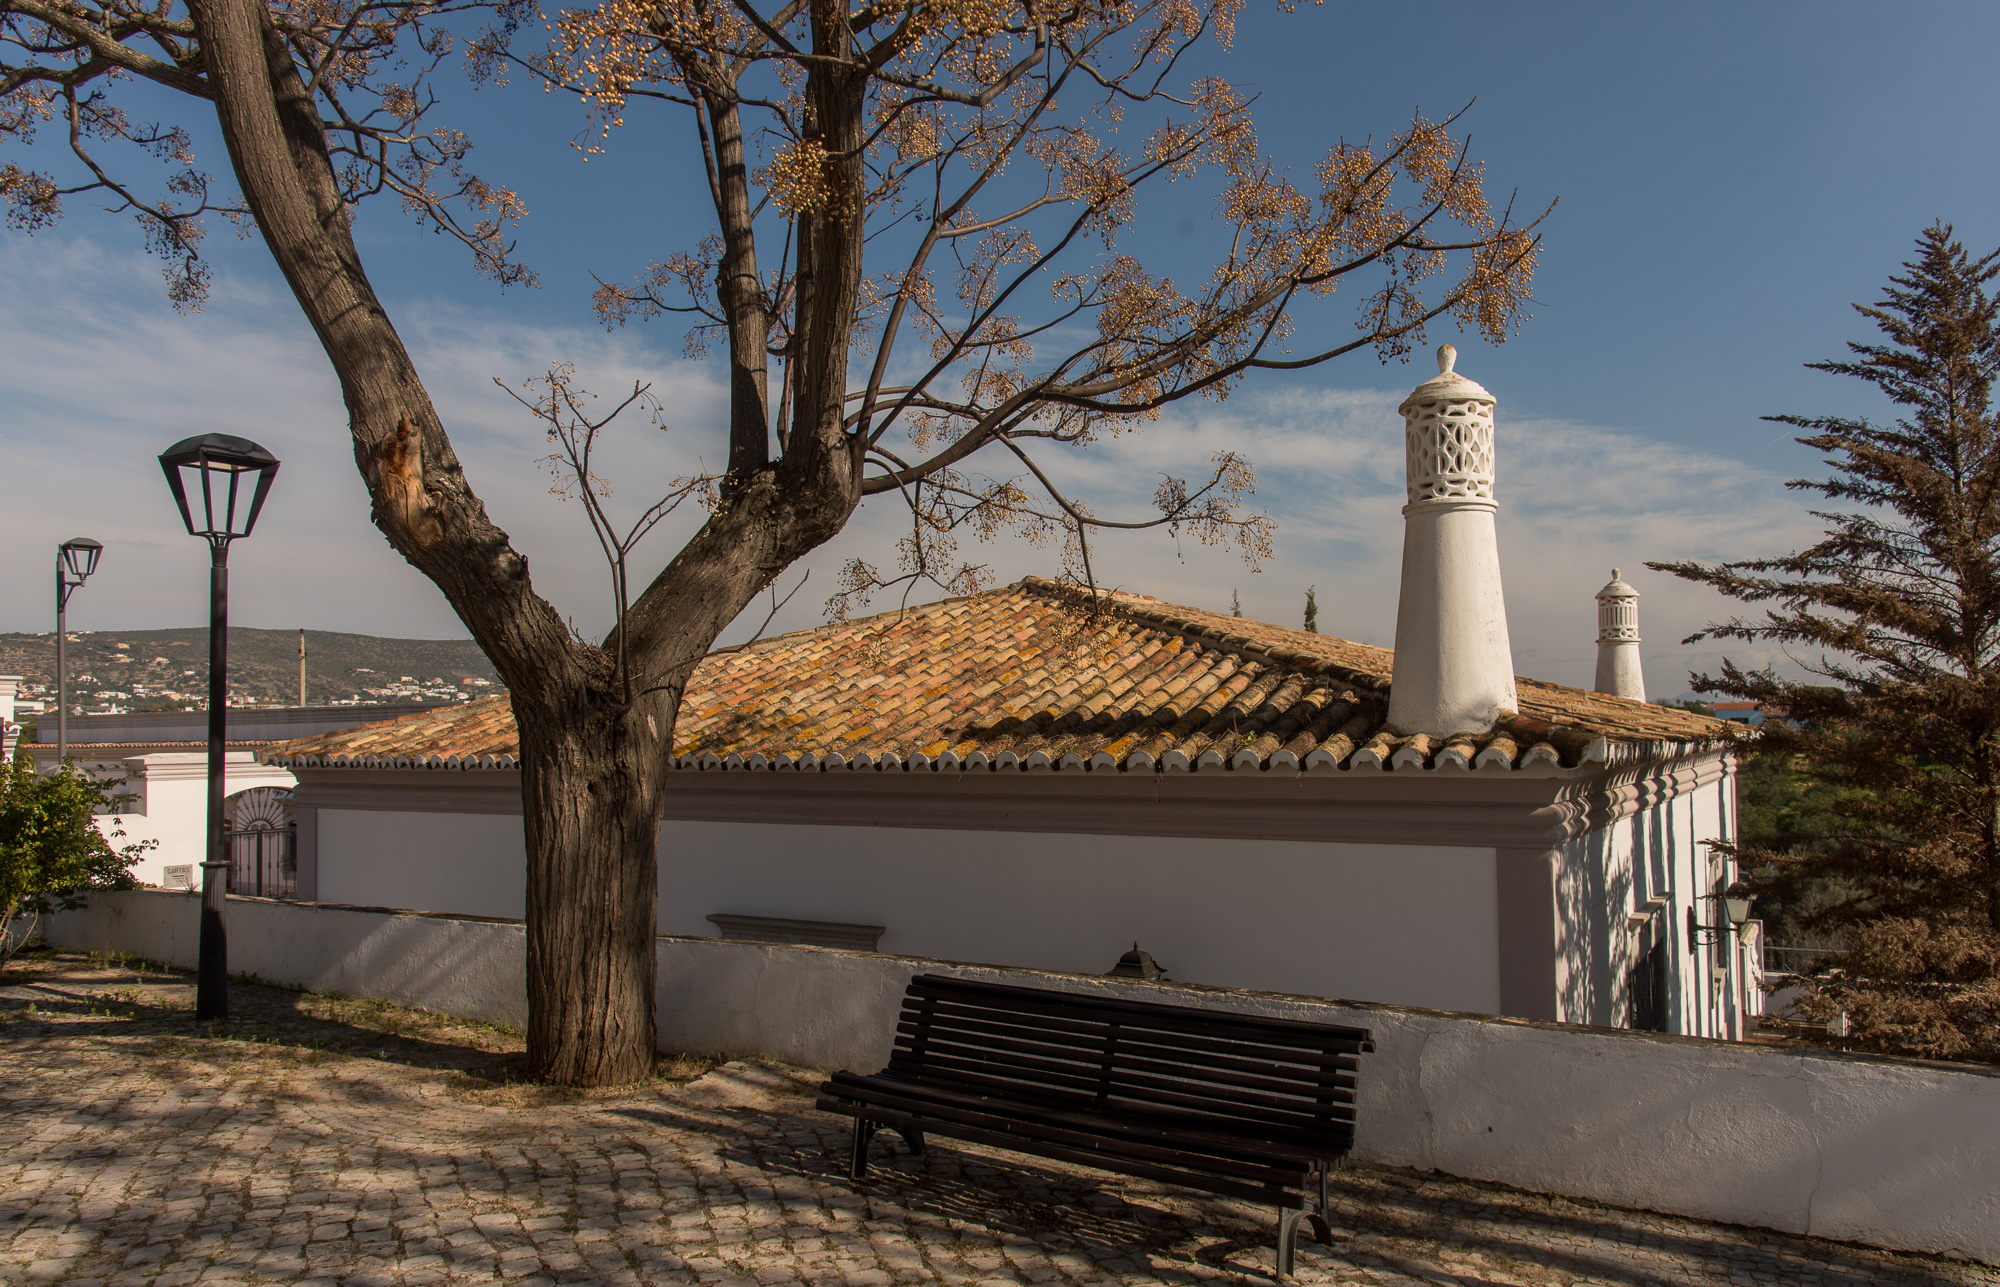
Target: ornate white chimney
(1618,670)
(1454,668)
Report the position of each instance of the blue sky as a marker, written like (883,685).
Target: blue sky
(1730,178)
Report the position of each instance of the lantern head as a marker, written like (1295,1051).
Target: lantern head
(233,476)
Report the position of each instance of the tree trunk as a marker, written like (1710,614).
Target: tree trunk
(591,813)
(593,753)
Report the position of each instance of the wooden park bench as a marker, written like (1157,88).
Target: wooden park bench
(1231,1104)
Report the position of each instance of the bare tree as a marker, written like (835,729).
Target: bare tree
(917,210)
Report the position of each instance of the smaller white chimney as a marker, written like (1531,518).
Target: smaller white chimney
(1454,668)
(1618,671)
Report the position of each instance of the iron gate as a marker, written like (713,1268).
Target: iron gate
(264,862)
(263,844)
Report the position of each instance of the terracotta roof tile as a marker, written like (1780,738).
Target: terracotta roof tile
(1024,676)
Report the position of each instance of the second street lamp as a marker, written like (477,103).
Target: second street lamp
(220,466)
(76,559)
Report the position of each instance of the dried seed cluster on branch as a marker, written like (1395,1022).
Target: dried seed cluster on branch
(367,69)
(963,174)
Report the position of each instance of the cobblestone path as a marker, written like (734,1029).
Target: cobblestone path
(319,1140)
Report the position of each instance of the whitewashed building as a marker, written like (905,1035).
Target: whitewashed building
(158,762)
(1028,777)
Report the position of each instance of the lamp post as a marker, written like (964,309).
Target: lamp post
(75,560)
(218,464)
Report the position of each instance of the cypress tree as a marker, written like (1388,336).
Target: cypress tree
(1895,615)
(1312,611)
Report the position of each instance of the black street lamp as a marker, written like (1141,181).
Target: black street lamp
(218,464)
(75,561)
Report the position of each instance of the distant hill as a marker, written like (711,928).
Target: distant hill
(170,667)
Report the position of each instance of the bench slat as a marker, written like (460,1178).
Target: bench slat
(1146,1014)
(1273,1196)
(1079,1132)
(928,1013)
(1289,1150)
(1145,1057)
(1153,1103)
(1279,1031)
(1127,1077)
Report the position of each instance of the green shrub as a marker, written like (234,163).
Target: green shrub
(52,853)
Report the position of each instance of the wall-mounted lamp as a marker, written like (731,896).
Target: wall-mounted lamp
(1735,910)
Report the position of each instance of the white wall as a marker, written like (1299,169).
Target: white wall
(1655,858)
(1411,925)
(468,864)
(472,968)
(1888,1152)
(1406,924)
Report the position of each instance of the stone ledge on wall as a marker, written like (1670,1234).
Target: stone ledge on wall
(1894,1153)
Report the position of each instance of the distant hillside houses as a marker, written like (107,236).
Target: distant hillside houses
(135,671)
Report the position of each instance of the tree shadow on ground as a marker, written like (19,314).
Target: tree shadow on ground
(1379,1216)
(159,1006)
(1005,1195)
(1509,1225)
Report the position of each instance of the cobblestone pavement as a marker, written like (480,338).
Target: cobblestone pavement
(321,1140)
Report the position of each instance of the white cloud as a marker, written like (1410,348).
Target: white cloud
(101,376)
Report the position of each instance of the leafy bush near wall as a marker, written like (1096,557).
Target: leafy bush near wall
(52,853)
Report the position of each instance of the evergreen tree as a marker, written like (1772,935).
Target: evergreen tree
(1900,606)
(1312,611)
(1235,605)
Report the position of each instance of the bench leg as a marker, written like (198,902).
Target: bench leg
(857,1160)
(1288,1231)
(915,1139)
(1288,1240)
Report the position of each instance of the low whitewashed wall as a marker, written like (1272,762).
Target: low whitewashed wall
(476,969)
(1889,1152)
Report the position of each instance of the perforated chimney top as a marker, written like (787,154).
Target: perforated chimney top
(1446,386)
(1617,587)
